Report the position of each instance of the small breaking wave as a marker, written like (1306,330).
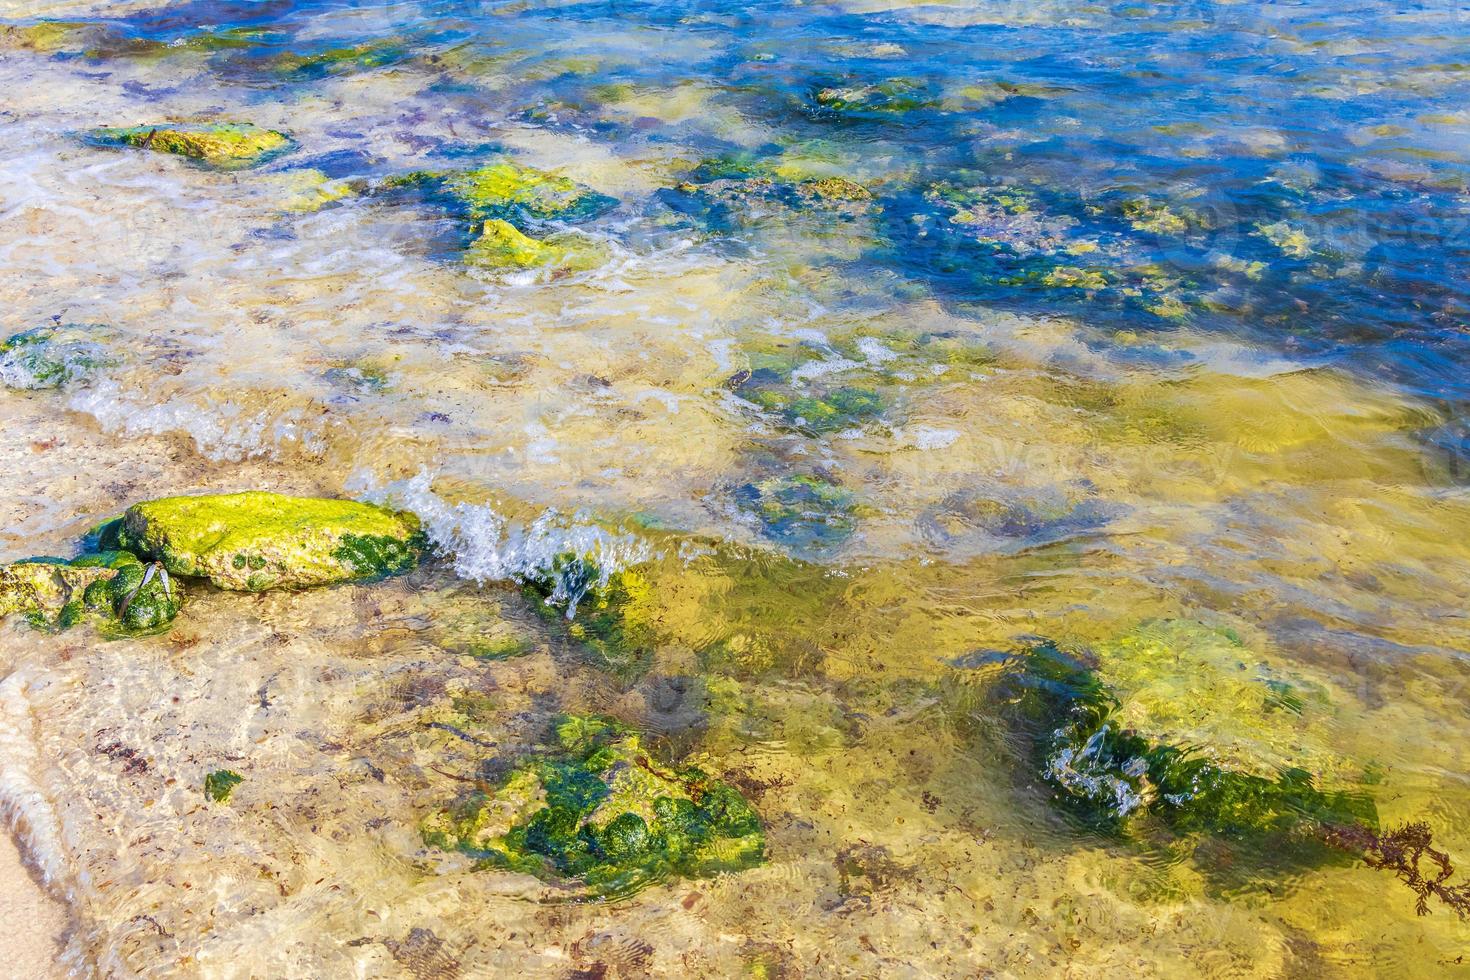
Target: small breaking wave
(485,546)
(222,431)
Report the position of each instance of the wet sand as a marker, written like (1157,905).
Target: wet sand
(31,921)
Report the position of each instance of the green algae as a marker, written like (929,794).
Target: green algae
(610,612)
(220,783)
(824,410)
(603,814)
(292,66)
(309,190)
(139,599)
(52,356)
(47,591)
(889,97)
(257,540)
(223,146)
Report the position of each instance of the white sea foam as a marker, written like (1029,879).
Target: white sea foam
(221,430)
(484,546)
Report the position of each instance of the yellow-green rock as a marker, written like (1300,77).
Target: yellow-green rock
(255,540)
(47,591)
(502,246)
(225,146)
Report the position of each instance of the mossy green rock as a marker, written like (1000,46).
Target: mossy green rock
(255,540)
(137,599)
(603,813)
(224,146)
(502,246)
(803,511)
(113,588)
(47,591)
(1115,777)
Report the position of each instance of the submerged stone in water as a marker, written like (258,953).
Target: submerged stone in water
(256,540)
(888,97)
(610,612)
(1114,775)
(224,146)
(51,356)
(814,410)
(504,191)
(603,813)
(804,511)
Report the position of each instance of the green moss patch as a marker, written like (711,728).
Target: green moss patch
(503,191)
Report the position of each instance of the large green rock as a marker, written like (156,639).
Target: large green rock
(255,540)
(601,812)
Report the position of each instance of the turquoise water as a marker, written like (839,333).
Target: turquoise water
(1017,448)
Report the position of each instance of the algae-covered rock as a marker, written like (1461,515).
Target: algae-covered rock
(891,96)
(1117,767)
(139,598)
(295,66)
(224,146)
(504,191)
(601,812)
(52,356)
(502,246)
(816,408)
(47,591)
(255,540)
(803,511)
(117,590)
(990,518)
(609,611)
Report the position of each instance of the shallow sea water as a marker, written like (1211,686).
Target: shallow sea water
(1156,314)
